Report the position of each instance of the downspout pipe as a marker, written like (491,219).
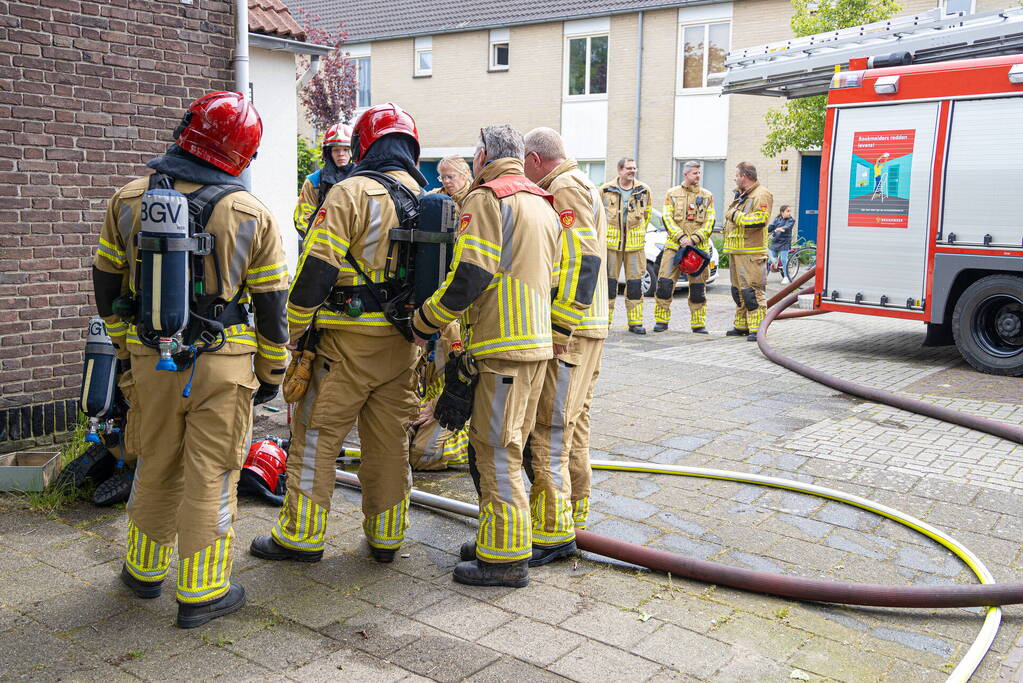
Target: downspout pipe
(241,63)
(639,88)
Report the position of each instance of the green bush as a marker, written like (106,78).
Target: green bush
(308,160)
(719,244)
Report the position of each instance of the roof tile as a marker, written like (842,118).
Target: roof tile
(273,18)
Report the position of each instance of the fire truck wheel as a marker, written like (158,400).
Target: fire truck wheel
(988,325)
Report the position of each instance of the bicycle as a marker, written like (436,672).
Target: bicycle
(802,253)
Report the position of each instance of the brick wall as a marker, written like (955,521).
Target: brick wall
(89,91)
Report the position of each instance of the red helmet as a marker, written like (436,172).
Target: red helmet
(692,260)
(338,134)
(381,120)
(223,129)
(263,473)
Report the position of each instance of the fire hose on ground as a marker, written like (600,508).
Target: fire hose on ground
(987,593)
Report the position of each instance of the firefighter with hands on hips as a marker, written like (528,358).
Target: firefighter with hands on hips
(629,204)
(364,366)
(336,152)
(689,219)
(455,177)
(500,284)
(192,389)
(558,461)
(746,245)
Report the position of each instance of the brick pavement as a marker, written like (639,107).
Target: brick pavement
(63,613)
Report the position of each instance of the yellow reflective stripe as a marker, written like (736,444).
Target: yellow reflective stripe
(322,236)
(273,353)
(439,313)
(112,247)
(110,255)
(481,246)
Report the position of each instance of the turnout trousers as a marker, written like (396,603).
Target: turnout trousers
(186,483)
(355,377)
(558,457)
(503,415)
(635,265)
(749,284)
(667,277)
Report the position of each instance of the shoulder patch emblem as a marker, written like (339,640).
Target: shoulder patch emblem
(567,218)
(463,223)
(320,215)
(763,207)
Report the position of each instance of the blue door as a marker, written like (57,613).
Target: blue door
(809,195)
(429,170)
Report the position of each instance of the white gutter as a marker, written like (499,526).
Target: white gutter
(279,44)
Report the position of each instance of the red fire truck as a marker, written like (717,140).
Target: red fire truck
(921,199)
(921,210)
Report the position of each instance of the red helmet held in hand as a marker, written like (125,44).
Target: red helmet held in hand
(222,128)
(378,121)
(692,260)
(263,473)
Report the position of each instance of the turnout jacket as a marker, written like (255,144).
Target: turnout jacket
(689,212)
(500,279)
(746,221)
(308,200)
(627,220)
(357,216)
(248,245)
(580,303)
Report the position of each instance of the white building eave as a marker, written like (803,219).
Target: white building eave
(285,45)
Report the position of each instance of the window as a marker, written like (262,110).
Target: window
(713,179)
(594,169)
(423,64)
(362,82)
(587,65)
(704,48)
(499,49)
(956,6)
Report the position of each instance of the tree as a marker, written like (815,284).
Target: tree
(329,96)
(801,123)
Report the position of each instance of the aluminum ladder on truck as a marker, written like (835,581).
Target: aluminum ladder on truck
(801,67)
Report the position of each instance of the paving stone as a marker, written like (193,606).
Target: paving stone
(839,661)
(685,651)
(542,602)
(935,562)
(532,641)
(612,625)
(747,665)
(34,584)
(507,669)
(30,646)
(919,647)
(769,637)
(76,608)
(464,617)
(204,662)
(403,594)
(616,587)
(443,657)
(11,560)
(317,608)
(378,632)
(844,515)
(351,666)
(286,644)
(596,662)
(265,583)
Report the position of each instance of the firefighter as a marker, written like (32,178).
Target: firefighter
(746,245)
(628,203)
(364,366)
(433,447)
(455,177)
(689,218)
(336,156)
(193,425)
(558,454)
(499,282)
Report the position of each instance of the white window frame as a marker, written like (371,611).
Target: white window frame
(498,37)
(568,64)
(584,166)
(679,50)
(359,84)
(944,7)
(419,46)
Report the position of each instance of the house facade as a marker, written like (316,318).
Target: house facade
(617,79)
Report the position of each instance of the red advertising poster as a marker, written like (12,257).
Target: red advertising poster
(879,178)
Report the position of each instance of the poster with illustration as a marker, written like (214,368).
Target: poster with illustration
(879,179)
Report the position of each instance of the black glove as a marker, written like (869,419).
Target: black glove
(454,405)
(265,392)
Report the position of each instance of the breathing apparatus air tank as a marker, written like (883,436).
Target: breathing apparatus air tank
(99,376)
(164,283)
(434,243)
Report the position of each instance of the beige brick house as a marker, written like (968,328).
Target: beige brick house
(617,78)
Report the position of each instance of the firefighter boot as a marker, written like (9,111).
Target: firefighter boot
(660,327)
(752,336)
(736,332)
(544,554)
(480,573)
(266,548)
(637,329)
(141,589)
(190,616)
(700,330)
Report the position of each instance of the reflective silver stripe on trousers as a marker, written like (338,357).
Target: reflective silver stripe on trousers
(224,513)
(305,482)
(507,235)
(501,465)
(564,377)
(240,258)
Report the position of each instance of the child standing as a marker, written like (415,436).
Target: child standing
(781,242)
